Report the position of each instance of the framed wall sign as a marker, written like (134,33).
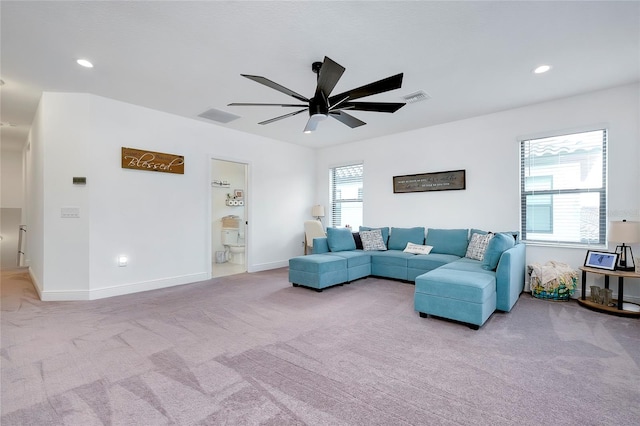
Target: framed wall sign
(152,161)
(423,182)
(601,260)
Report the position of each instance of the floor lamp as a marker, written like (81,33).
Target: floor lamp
(626,233)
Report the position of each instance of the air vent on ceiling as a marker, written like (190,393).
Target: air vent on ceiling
(418,96)
(219,116)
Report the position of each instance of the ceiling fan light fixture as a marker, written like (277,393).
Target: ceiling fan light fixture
(312,124)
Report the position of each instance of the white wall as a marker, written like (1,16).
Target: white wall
(11,205)
(160,221)
(12,188)
(487,148)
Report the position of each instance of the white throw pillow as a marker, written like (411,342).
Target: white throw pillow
(372,240)
(478,245)
(417,249)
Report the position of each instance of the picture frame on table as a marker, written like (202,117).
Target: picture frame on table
(601,260)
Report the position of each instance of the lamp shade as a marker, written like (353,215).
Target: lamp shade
(624,232)
(317,211)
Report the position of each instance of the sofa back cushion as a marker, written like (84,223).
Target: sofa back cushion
(399,237)
(515,234)
(448,241)
(498,245)
(384,231)
(340,239)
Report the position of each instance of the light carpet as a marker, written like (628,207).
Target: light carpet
(250,349)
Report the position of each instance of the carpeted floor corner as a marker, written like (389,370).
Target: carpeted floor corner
(250,349)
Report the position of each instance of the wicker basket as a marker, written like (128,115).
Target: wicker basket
(559,288)
(559,291)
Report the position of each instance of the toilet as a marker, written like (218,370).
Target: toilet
(233,241)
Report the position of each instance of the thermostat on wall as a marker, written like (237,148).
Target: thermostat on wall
(79,180)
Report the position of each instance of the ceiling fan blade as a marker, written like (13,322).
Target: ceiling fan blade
(337,104)
(254,104)
(372,106)
(330,73)
(291,114)
(380,86)
(276,86)
(347,119)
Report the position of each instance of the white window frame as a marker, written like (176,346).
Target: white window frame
(551,192)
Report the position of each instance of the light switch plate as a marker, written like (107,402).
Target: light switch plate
(70,212)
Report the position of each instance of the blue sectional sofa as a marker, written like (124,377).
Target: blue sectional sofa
(463,276)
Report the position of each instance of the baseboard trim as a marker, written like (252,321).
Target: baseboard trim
(121,290)
(268,266)
(35,283)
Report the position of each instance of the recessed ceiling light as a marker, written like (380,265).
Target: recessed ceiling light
(542,69)
(84,63)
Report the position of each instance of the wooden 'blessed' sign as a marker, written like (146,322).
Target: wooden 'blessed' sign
(152,161)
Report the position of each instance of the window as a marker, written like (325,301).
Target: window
(563,188)
(345,184)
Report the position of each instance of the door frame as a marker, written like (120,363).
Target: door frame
(247,210)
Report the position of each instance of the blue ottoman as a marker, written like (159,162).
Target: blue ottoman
(464,296)
(317,271)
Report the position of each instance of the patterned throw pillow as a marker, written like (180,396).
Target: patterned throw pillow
(372,240)
(478,245)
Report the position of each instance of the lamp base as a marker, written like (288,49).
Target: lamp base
(625,259)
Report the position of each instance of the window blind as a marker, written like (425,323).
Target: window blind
(563,188)
(346,183)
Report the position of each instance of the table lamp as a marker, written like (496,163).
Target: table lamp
(626,233)
(317,211)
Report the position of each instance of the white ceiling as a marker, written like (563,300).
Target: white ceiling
(182,57)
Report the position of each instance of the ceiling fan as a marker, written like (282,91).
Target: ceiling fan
(322,105)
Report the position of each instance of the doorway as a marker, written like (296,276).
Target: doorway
(228,217)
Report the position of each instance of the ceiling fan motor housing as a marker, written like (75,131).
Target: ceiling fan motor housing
(318,105)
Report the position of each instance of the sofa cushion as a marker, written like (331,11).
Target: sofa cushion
(318,263)
(391,257)
(427,262)
(478,245)
(384,230)
(340,239)
(399,237)
(466,264)
(448,241)
(417,249)
(372,240)
(498,245)
(474,287)
(354,257)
